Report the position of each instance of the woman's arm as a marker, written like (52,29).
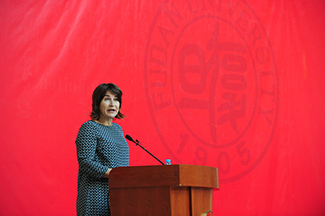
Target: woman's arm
(86,147)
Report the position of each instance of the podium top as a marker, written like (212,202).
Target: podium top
(164,176)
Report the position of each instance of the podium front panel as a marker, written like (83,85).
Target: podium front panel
(173,190)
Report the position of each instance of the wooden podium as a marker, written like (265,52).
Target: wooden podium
(162,190)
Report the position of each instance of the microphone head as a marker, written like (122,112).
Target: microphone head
(129,138)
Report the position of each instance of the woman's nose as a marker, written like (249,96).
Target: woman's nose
(111,102)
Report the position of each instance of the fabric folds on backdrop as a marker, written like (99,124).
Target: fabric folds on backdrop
(232,84)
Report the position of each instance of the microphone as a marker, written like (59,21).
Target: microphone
(137,143)
(129,138)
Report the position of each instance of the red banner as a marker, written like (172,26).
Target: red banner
(232,84)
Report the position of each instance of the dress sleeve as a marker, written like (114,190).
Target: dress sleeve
(86,143)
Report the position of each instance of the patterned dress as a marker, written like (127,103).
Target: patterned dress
(99,148)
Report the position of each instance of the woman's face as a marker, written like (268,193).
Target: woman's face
(109,106)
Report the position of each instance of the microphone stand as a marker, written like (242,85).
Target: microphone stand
(137,143)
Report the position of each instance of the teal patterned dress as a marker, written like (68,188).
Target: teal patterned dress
(99,148)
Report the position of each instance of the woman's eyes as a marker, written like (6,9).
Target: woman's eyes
(107,98)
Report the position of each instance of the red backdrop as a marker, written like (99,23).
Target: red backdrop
(234,84)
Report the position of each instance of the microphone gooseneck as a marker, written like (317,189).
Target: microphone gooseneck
(138,143)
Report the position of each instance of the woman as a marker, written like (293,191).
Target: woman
(101,146)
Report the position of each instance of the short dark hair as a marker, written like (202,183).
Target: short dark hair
(98,95)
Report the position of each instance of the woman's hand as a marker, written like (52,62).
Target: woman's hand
(107,173)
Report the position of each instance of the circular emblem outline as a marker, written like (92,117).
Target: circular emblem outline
(274,111)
